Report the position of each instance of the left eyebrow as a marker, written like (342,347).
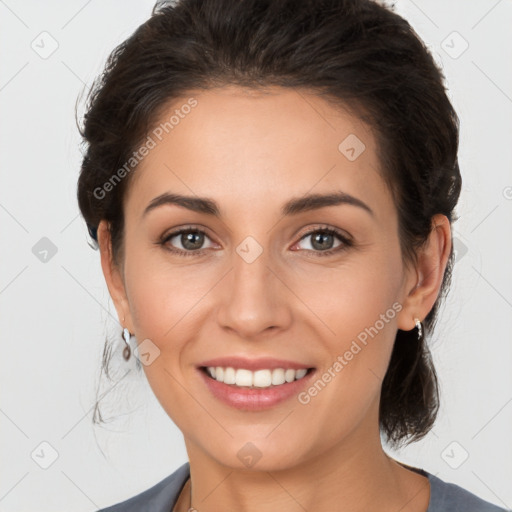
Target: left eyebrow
(292,207)
(316,201)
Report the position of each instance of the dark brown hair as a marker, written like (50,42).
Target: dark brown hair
(354,53)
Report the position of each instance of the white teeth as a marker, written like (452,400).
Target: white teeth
(262,378)
(243,378)
(278,377)
(229,376)
(289,375)
(300,373)
(258,379)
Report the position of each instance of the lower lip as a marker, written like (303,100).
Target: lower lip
(253,399)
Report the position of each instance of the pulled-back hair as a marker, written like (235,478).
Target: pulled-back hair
(357,54)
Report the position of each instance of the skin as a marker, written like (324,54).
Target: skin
(250,152)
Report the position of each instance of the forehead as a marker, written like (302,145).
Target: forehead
(254,147)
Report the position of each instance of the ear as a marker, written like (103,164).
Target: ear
(113,276)
(424,281)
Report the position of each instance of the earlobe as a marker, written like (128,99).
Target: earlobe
(430,268)
(113,276)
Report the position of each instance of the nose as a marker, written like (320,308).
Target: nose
(255,299)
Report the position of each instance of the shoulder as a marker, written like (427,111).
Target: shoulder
(449,497)
(159,498)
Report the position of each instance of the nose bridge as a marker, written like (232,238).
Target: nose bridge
(254,299)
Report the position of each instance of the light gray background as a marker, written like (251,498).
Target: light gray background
(55,313)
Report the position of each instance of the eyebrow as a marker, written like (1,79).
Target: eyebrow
(292,207)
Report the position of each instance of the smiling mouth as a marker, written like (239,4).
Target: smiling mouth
(259,379)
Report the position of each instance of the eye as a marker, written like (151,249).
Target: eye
(191,240)
(322,240)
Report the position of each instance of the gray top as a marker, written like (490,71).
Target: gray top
(444,497)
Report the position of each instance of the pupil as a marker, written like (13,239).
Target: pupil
(189,237)
(322,237)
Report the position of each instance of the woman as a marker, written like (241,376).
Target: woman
(271,185)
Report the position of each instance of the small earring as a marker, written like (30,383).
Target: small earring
(419,327)
(127,350)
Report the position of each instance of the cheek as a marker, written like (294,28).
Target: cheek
(352,296)
(161,295)
(162,308)
(361,313)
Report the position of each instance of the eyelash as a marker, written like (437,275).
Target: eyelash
(346,242)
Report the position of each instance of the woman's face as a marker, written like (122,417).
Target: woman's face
(260,278)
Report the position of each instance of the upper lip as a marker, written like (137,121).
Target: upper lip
(253,364)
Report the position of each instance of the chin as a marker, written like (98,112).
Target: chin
(258,455)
